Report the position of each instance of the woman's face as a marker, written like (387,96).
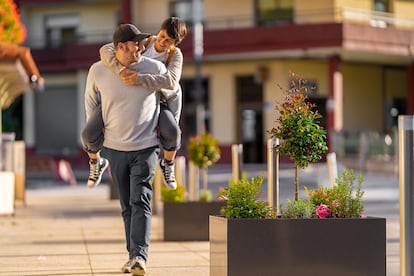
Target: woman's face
(163,41)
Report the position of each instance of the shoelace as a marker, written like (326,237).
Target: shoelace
(94,171)
(168,171)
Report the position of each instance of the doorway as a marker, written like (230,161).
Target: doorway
(250,123)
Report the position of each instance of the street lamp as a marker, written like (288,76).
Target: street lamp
(198,50)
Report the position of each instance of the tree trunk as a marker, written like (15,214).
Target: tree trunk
(296,182)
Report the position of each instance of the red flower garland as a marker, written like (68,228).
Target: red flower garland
(12,29)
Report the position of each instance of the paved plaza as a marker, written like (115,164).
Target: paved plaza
(72,230)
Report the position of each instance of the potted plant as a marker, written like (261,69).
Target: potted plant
(323,235)
(188,220)
(203,151)
(298,128)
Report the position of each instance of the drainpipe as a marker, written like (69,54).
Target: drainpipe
(198,50)
(410,88)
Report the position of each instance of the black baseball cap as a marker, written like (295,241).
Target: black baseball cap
(128,32)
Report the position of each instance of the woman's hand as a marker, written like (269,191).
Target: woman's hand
(128,76)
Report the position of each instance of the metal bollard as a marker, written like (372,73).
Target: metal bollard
(193,179)
(157,205)
(273,173)
(406,180)
(20,171)
(332,167)
(180,171)
(237,161)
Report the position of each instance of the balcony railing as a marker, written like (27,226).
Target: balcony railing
(344,14)
(80,38)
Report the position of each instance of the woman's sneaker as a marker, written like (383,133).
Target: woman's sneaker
(96,170)
(126,268)
(167,168)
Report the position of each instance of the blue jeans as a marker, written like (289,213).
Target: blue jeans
(133,173)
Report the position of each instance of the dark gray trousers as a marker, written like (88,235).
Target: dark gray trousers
(133,173)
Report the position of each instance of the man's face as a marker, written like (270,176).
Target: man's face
(132,51)
(163,42)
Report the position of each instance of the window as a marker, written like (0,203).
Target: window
(61,29)
(274,11)
(249,112)
(381,5)
(188,119)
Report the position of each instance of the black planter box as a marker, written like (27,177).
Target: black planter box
(292,247)
(188,221)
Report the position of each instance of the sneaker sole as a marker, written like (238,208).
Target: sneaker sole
(99,179)
(137,269)
(138,272)
(171,187)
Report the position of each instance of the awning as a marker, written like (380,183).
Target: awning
(13,81)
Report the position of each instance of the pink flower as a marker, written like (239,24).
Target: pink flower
(323,211)
(336,203)
(223,198)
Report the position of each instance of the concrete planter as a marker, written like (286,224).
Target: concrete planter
(188,221)
(7,189)
(291,247)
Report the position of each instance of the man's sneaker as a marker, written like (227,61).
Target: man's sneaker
(126,268)
(96,170)
(138,267)
(167,167)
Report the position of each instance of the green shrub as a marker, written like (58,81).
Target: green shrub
(301,208)
(242,199)
(341,199)
(205,196)
(170,196)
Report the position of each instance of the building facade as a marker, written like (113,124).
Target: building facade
(357,53)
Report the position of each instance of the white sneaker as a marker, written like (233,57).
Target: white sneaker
(167,168)
(138,267)
(96,170)
(126,268)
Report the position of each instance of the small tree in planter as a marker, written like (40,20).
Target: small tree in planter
(329,221)
(203,151)
(298,128)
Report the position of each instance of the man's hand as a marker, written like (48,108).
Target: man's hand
(128,76)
